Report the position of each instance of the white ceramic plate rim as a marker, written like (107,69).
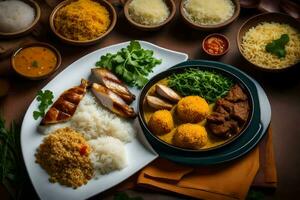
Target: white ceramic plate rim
(29,138)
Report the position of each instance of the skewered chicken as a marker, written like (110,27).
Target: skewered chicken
(112,101)
(167,93)
(158,103)
(109,80)
(65,106)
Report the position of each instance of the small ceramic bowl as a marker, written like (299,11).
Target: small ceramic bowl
(37,44)
(28,29)
(171,6)
(210,27)
(217,35)
(266,17)
(106,4)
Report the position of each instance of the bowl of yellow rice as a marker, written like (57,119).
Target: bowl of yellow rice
(82,22)
(270,41)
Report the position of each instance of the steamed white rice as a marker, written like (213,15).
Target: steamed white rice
(104,131)
(92,120)
(108,154)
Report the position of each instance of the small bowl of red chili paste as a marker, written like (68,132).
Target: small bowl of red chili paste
(215,44)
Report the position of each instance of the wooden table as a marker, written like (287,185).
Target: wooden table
(283,90)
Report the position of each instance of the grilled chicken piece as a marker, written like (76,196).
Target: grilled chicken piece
(109,80)
(158,103)
(112,101)
(65,106)
(167,93)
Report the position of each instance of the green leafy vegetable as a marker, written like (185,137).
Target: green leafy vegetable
(34,63)
(124,196)
(45,98)
(255,195)
(277,47)
(207,84)
(131,64)
(11,163)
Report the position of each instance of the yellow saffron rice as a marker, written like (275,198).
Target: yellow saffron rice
(82,20)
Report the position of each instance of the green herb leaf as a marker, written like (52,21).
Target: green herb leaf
(131,64)
(45,98)
(277,47)
(34,64)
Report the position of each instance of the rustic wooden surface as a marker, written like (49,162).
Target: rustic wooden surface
(283,89)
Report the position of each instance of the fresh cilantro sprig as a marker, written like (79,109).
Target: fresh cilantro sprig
(277,47)
(45,98)
(131,64)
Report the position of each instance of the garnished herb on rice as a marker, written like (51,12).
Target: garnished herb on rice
(207,84)
(45,98)
(131,64)
(277,47)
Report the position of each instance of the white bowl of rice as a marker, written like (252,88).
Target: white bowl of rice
(209,14)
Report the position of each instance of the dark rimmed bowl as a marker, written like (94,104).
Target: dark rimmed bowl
(36,44)
(218,35)
(28,29)
(169,3)
(266,17)
(164,74)
(210,27)
(106,4)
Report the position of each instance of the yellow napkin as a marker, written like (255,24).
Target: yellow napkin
(230,181)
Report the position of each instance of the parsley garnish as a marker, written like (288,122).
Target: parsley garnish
(45,98)
(132,64)
(34,63)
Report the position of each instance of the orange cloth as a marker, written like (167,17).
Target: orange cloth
(227,181)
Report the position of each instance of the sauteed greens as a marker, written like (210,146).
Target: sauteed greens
(207,84)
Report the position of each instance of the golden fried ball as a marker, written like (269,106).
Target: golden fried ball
(190,136)
(161,122)
(192,109)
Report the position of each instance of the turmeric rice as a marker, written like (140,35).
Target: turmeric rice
(192,109)
(82,20)
(64,154)
(191,136)
(161,122)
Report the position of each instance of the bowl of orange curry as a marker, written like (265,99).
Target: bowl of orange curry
(36,61)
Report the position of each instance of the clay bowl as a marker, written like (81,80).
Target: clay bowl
(36,44)
(266,17)
(106,4)
(28,29)
(222,25)
(171,6)
(223,37)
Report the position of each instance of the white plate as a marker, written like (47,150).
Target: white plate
(139,152)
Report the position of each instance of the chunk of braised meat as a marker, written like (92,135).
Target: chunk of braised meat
(217,118)
(221,110)
(236,94)
(226,129)
(227,105)
(241,111)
